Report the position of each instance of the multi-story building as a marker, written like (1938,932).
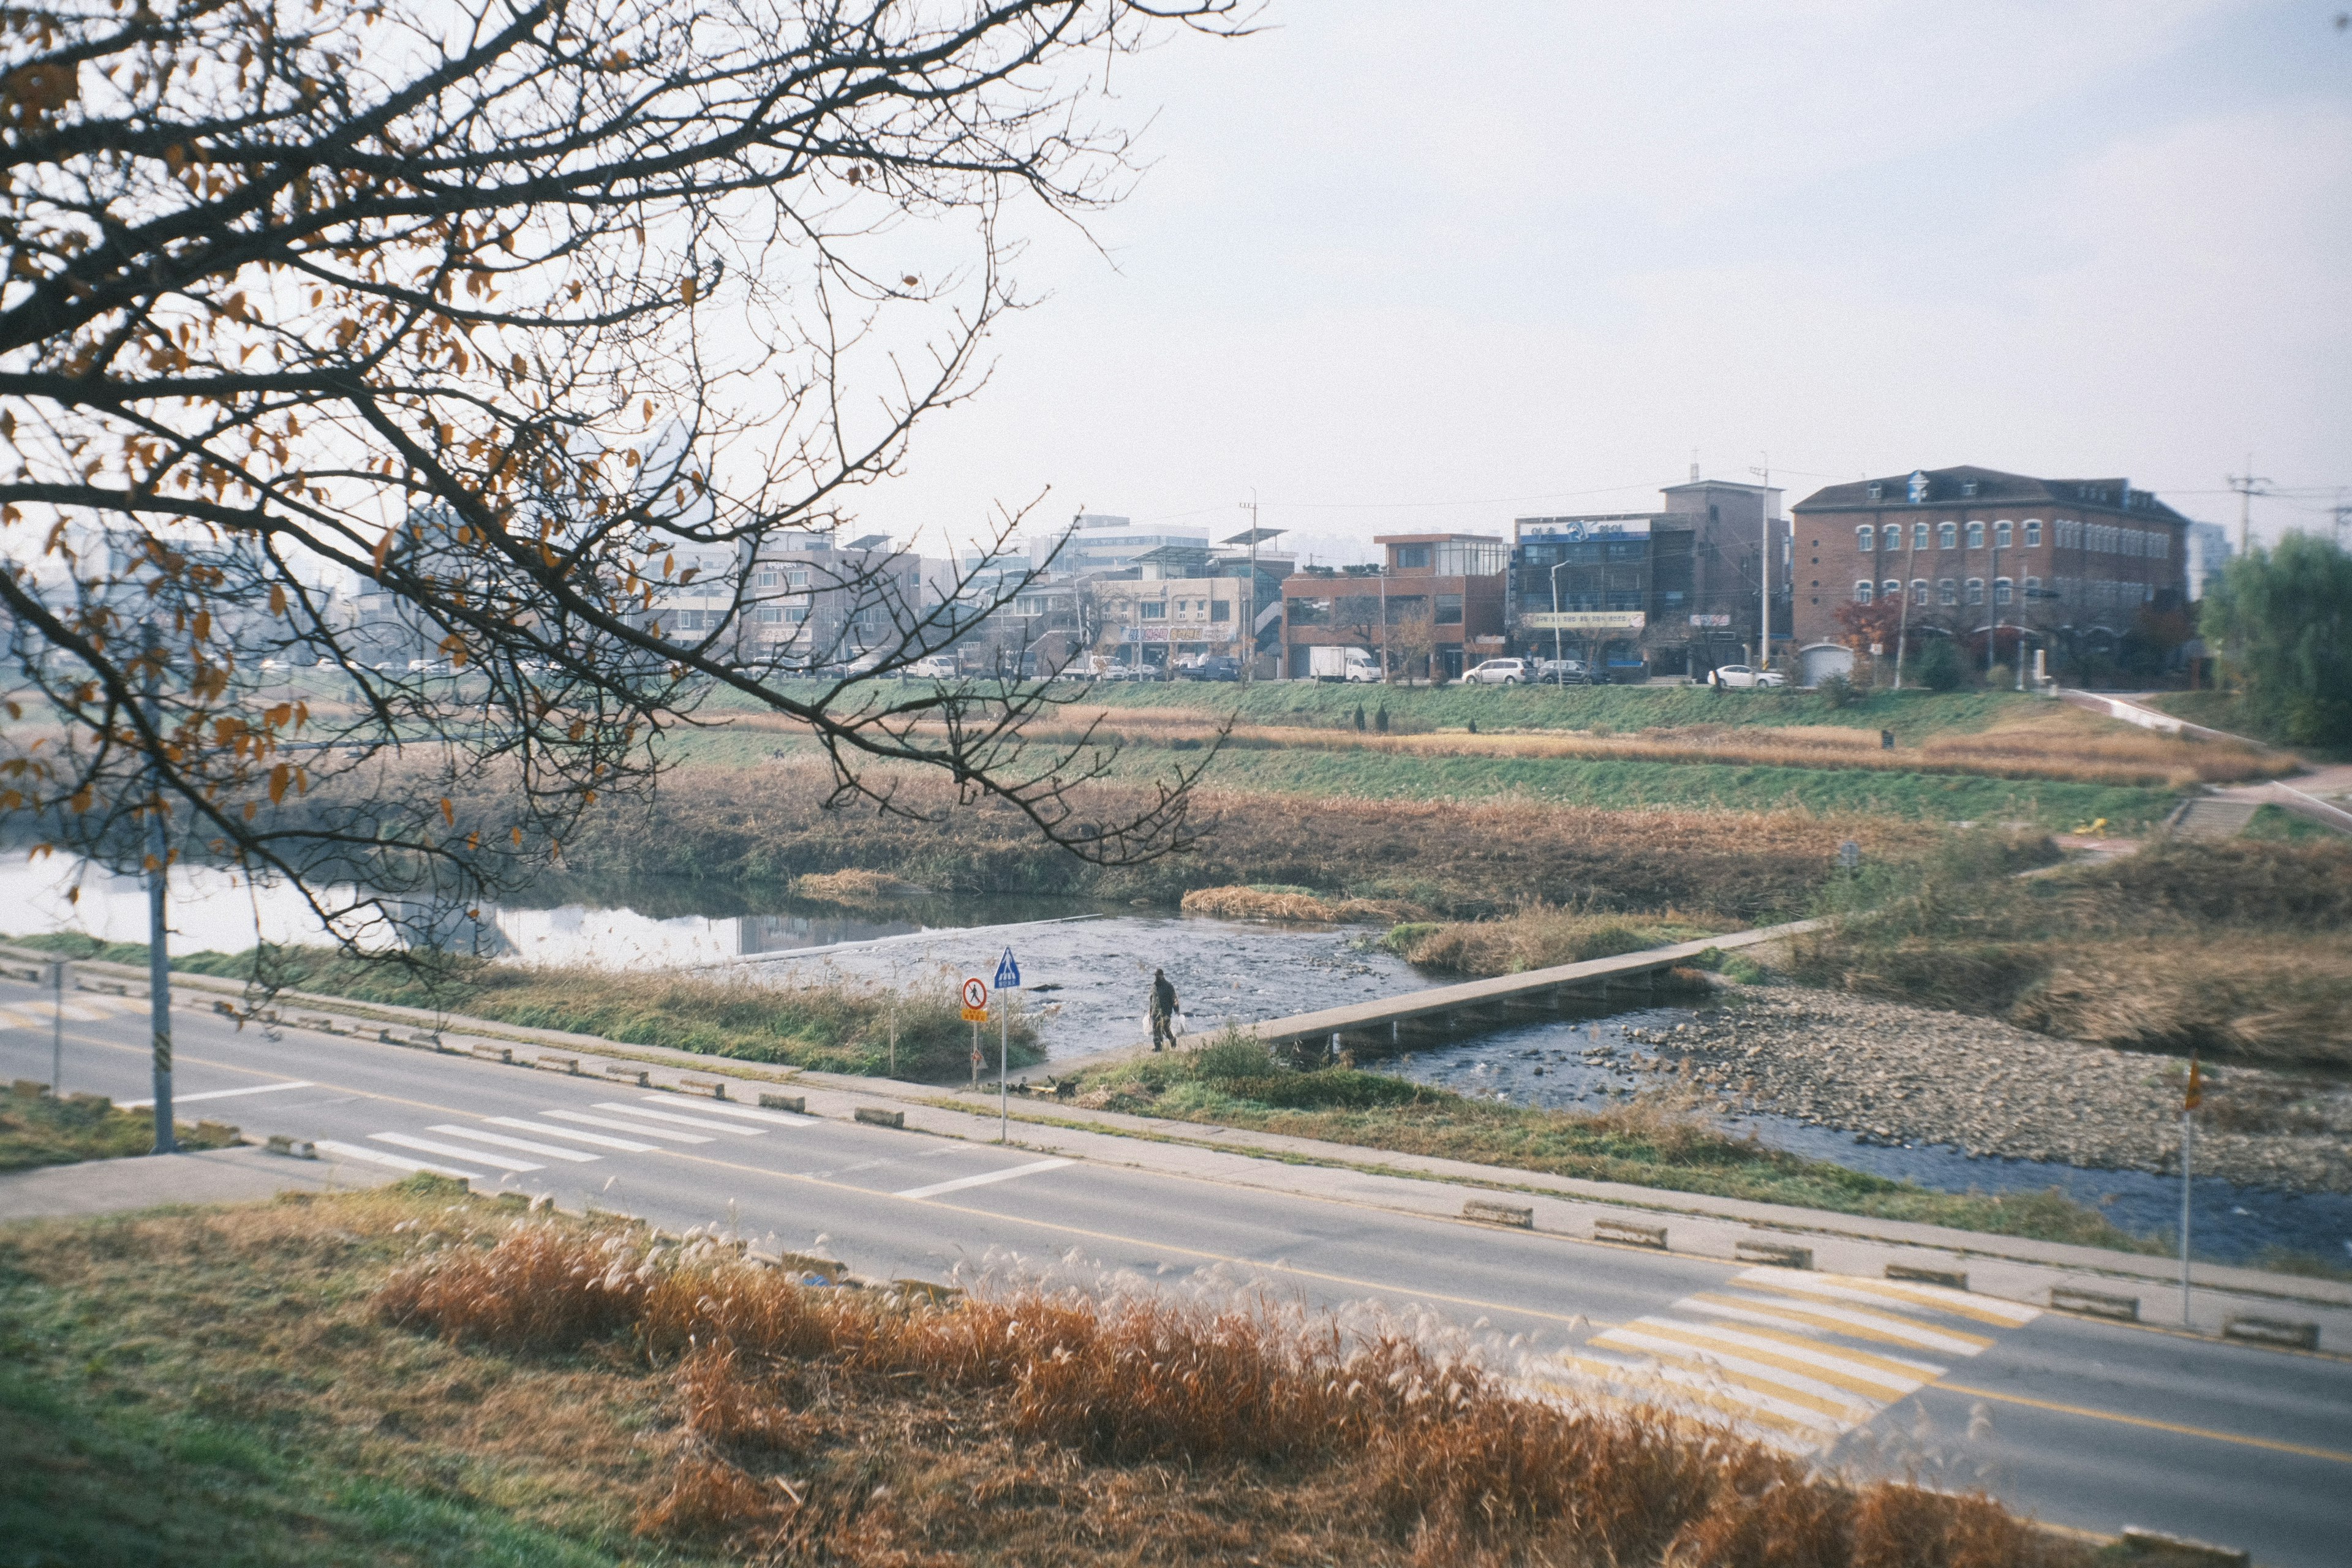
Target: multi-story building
(1097,542)
(2209,554)
(805,601)
(1672,592)
(1433,605)
(1974,550)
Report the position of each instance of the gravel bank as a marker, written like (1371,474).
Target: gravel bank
(1911,1075)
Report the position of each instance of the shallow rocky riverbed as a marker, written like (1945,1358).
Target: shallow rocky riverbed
(1911,1075)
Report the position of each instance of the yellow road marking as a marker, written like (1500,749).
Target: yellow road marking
(1838,1318)
(1940,1301)
(1635,1377)
(2272,1443)
(1793,1314)
(1912,1371)
(1703,1362)
(1876,1390)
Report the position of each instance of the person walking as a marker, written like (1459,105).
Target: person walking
(1163,1011)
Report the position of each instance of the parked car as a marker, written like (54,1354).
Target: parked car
(1743,675)
(1215,666)
(938,667)
(1499,672)
(1563,672)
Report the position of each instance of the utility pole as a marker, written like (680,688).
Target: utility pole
(159,961)
(1902,620)
(2247,485)
(1249,594)
(1764,504)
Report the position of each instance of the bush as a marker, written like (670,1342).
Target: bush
(1939,667)
(1837,691)
(1235,1055)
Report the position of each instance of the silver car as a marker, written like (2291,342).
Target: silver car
(1498,672)
(1743,675)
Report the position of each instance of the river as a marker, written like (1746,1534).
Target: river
(1086,969)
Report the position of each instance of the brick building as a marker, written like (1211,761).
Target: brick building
(2077,560)
(1433,608)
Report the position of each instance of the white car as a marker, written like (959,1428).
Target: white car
(1499,672)
(1741,675)
(935,667)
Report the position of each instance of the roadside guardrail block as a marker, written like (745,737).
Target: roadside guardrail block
(2095,1303)
(1921,1274)
(716,1088)
(634,1074)
(560,1064)
(493,1054)
(292,1147)
(1632,1232)
(2179,1551)
(1779,1254)
(796,1103)
(2272,1331)
(875,1116)
(1487,1212)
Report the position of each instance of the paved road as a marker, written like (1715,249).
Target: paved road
(2087,1425)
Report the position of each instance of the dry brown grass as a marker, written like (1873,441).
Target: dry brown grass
(1416,1454)
(1457,860)
(851,888)
(1538,936)
(2055,749)
(1263,904)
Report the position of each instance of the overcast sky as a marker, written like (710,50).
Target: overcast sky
(1410,265)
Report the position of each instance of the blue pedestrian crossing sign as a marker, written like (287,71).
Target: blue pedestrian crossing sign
(1008,973)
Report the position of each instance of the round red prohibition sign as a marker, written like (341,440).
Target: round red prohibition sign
(975,994)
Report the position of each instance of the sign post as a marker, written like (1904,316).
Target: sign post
(2189,1101)
(1008,978)
(975,1013)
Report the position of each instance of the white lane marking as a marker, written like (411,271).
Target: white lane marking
(525,1144)
(398,1162)
(639,1128)
(220,1094)
(479,1156)
(936,1188)
(721,1107)
(598,1139)
(702,1122)
(1876,1293)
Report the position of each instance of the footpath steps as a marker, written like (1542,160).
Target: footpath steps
(2210,819)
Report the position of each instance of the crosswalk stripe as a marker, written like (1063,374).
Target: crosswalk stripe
(13,1020)
(525,1144)
(1747,1372)
(1743,1410)
(1853,1320)
(639,1128)
(775,1117)
(668,1116)
(1881,1292)
(597,1139)
(1745,1401)
(1815,1361)
(397,1161)
(479,1157)
(1758,1325)
(223,1093)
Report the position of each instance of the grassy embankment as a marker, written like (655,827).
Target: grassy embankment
(722,828)
(1658,1141)
(2228,713)
(1968,756)
(38,1129)
(829,1028)
(2236,948)
(415,1376)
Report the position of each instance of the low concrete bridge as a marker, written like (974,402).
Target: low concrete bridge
(1397,1022)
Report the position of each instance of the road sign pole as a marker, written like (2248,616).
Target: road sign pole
(975,1058)
(1004,1070)
(2186,1124)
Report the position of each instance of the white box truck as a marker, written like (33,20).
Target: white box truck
(1342,664)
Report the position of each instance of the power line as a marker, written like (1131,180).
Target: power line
(2246,485)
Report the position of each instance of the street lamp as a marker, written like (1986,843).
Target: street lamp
(1558,668)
